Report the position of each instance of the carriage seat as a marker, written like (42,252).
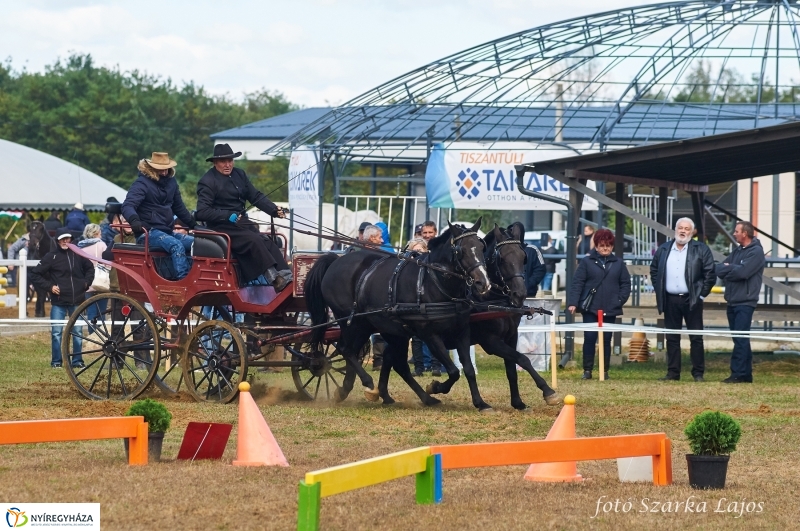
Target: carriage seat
(128,247)
(209,245)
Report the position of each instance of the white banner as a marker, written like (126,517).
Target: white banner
(49,516)
(303,179)
(470,175)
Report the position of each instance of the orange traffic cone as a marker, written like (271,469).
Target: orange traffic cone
(256,446)
(563,428)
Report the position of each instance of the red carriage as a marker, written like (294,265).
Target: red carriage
(200,334)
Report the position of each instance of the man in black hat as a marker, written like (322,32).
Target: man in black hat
(221,196)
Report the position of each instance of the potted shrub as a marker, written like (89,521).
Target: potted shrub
(712,437)
(158,419)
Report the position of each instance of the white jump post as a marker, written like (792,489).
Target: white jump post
(22,284)
(602,361)
(553,375)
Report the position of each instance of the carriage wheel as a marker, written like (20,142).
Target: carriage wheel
(117,341)
(214,362)
(169,375)
(322,371)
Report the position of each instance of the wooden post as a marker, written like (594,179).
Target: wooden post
(602,361)
(308,504)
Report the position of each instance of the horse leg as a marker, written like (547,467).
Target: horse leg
(40,297)
(399,362)
(469,374)
(513,385)
(386,369)
(496,346)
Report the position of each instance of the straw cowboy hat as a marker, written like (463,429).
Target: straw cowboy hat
(223,151)
(161,161)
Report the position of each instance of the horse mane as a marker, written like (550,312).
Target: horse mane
(439,241)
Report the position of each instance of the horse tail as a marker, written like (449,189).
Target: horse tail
(315,304)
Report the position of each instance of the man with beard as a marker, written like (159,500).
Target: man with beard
(682,272)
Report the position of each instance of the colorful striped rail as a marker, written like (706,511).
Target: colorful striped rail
(39,431)
(428,462)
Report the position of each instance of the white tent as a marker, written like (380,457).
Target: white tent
(33,180)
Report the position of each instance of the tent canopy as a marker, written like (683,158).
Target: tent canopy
(33,180)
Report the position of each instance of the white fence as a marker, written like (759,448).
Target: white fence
(22,266)
(644,237)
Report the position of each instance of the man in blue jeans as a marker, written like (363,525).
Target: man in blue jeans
(152,203)
(66,276)
(742,273)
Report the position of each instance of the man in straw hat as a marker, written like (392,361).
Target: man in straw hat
(152,204)
(221,196)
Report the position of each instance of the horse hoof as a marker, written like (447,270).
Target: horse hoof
(430,401)
(371,394)
(552,400)
(488,410)
(433,387)
(389,401)
(337,396)
(521,406)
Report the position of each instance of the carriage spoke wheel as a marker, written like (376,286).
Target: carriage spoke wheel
(214,362)
(117,341)
(321,373)
(169,376)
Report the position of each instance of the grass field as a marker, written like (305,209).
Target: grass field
(215,495)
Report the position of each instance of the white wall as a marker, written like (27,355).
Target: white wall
(763,217)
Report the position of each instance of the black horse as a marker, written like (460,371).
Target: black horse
(505,259)
(401,298)
(39,244)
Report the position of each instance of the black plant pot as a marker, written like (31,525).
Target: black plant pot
(707,471)
(154,443)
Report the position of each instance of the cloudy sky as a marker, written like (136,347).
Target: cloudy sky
(317,52)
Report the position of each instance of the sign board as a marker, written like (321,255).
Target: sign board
(304,186)
(478,176)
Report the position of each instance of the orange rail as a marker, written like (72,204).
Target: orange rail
(656,445)
(38,431)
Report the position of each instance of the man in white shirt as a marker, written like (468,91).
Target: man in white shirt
(682,272)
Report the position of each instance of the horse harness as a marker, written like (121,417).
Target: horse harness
(494,258)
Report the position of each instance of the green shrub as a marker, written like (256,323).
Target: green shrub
(155,414)
(713,433)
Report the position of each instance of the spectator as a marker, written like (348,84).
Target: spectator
(77,219)
(152,203)
(66,276)
(586,242)
(417,245)
(742,273)
(428,231)
(92,244)
(606,278)
(418,231)
(549,263)
(13,254)
(535,269)
(387,240)
(682,273)
(52,223)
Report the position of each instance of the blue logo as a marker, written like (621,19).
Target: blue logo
(468,183)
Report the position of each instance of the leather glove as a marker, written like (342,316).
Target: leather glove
(136,227)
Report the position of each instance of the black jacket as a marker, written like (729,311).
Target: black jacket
(550,263)
(743,274)
(72,274)
(700,277)
(219,196)
(76,220)
(534,269)
(612,291)
(155,201)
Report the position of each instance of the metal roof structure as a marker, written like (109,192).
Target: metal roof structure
(628,77)
(34,180)
(689,165)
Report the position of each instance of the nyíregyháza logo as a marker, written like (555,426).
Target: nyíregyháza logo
(16,517)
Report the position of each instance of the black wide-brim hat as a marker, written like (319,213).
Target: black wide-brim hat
(223,151)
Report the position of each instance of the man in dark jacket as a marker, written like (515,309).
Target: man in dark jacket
(221,196)
(742,273)
(534,269)
(66,276)
(76,219)
(549,263)
(682,273)
(152,203)
(52,223)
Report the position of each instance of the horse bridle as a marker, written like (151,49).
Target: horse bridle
(458,253)
(495,259)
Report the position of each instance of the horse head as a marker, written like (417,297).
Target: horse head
(467,254)
(506,261)
(37,240)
